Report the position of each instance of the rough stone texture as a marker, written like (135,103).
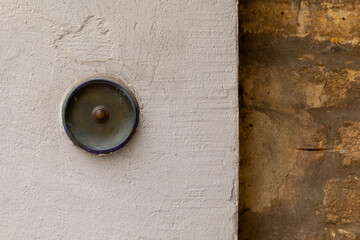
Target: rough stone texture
(341,200)
(178,177)
(350,142)
(300,119)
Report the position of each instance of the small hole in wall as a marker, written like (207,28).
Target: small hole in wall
(343,18)
(282,13)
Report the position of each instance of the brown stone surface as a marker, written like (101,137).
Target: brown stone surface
(333,20)
(342,201)
(300,119)
(350,142)
(270,178)
(332,234)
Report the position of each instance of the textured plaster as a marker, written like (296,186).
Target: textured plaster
(177,178)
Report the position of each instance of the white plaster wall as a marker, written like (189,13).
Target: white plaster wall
(178,177)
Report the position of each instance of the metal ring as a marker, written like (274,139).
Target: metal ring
(70,101)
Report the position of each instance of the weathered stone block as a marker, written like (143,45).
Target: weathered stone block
(342,201)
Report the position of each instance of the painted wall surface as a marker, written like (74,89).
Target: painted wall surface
(177,178)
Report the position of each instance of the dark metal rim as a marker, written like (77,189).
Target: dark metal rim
(128,94)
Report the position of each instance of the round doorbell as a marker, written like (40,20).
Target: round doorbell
(100,115)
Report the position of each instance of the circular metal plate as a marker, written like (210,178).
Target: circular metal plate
(100,115)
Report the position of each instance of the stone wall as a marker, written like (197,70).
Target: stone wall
(300,119)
